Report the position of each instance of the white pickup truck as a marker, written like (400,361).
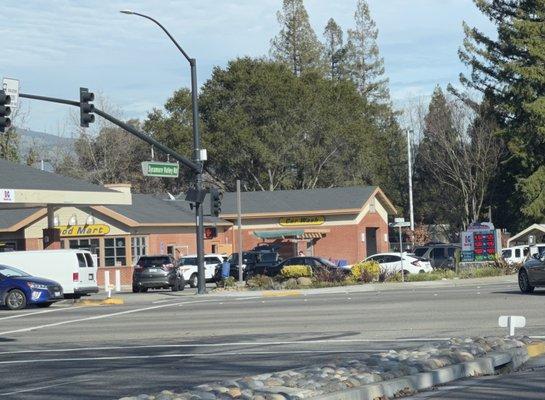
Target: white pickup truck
(188,267)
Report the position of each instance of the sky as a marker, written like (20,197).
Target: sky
(56,46)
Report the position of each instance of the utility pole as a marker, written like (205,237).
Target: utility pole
(411,209)
(239,224)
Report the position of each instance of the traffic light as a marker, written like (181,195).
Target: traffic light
(85,108)
(5,111)
(215,202)
(210,232)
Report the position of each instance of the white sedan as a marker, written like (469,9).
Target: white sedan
(391,262)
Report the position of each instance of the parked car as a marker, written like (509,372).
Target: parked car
(189,268)
(317,265)
(265,261)
(251,260)
(441,256)
(532,273)
(75,270)
(391,262)
(157,272)
(19,289)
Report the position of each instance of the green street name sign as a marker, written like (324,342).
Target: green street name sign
(160,169)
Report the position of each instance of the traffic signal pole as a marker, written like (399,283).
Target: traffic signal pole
(196,165)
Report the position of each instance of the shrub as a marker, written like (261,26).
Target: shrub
(329,275)
(296,271)
(260,282)
(366,271)
(227,282)
(482,272)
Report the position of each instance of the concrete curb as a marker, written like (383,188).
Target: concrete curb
(281,293)
(411,384)
(101,302)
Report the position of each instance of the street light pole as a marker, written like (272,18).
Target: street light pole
(199,217)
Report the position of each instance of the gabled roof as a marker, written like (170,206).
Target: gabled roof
(285,202)
(534,227)
(12,220)
(148,210)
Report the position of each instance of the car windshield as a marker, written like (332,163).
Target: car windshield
(11,272)
(188,261)
(420,252)
(153,261)
(267,257)
(327,262)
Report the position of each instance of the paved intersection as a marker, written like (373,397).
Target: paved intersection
(169,341)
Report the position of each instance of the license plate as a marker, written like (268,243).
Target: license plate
(57,294)
(153,270)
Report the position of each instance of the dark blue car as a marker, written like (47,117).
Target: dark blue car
(18,289)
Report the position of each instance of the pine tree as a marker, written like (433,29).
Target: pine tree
(296,44)
(365,65)
(510,70)
(9,145)
(334,50)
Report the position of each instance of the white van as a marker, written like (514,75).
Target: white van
(515,254)
(73,269)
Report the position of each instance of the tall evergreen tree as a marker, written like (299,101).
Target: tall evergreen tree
(510,70)
(9,145)
(334,50)
(365,65)
(296,44)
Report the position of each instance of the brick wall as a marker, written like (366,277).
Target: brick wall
(126,275)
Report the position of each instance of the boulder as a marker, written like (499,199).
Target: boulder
(304,281)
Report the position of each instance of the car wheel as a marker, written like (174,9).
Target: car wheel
(524,282)
(193,280)
(135,289)
(16,300)
(44,305)
(143,289)
(178,285)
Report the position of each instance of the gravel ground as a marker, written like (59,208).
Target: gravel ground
(304,383)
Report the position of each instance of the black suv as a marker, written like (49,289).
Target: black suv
(156,272)
(252,261)
(441,256)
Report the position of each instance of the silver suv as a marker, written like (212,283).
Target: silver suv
(440,255)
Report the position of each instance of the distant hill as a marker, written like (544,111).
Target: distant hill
(48,146)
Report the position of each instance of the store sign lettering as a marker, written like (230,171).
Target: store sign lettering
(84,230)
(296,221)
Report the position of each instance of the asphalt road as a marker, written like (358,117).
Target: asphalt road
(166,340)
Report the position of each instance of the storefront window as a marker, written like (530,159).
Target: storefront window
(138,247)
(93,245)
(114,252)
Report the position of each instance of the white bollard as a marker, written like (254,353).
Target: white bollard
(511,322)
(106,280)
(117,280)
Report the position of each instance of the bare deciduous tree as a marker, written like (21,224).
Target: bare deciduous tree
(461,149)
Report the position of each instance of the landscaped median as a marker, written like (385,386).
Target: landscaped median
(374,376)
(296,277)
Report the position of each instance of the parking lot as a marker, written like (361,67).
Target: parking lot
(163,340)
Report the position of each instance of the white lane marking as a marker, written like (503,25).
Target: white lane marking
(195,355)
(102,316)
(40,312)
(44,387)
(162,301)
(235,344)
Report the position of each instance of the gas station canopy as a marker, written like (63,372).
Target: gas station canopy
(22,186)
